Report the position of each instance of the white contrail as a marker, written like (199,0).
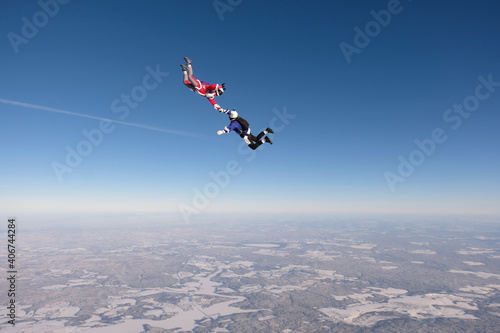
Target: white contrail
(45,108)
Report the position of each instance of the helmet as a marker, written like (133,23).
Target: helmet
(219,90)
(233,115)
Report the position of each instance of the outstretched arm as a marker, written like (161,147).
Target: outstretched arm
(225,130)
(212,101)
(233,125)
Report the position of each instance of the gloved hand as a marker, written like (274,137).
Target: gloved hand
(220,132)
(217,107)
(222,110)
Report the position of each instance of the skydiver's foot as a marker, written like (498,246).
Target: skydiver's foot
(266,139)
(188,61)
(268,130)
(184,68)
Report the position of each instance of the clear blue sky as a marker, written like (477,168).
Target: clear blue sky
(347,108)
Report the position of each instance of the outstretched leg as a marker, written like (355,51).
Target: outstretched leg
(257,143)
(250,140)
(185,74)
(264,132)
(193,81)
(254,146)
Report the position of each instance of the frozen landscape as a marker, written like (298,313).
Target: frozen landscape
(312,277)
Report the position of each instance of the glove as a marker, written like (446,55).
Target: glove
(217,106)
(222,110)
(220,132)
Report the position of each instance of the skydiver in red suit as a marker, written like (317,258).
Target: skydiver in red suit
(202,88)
